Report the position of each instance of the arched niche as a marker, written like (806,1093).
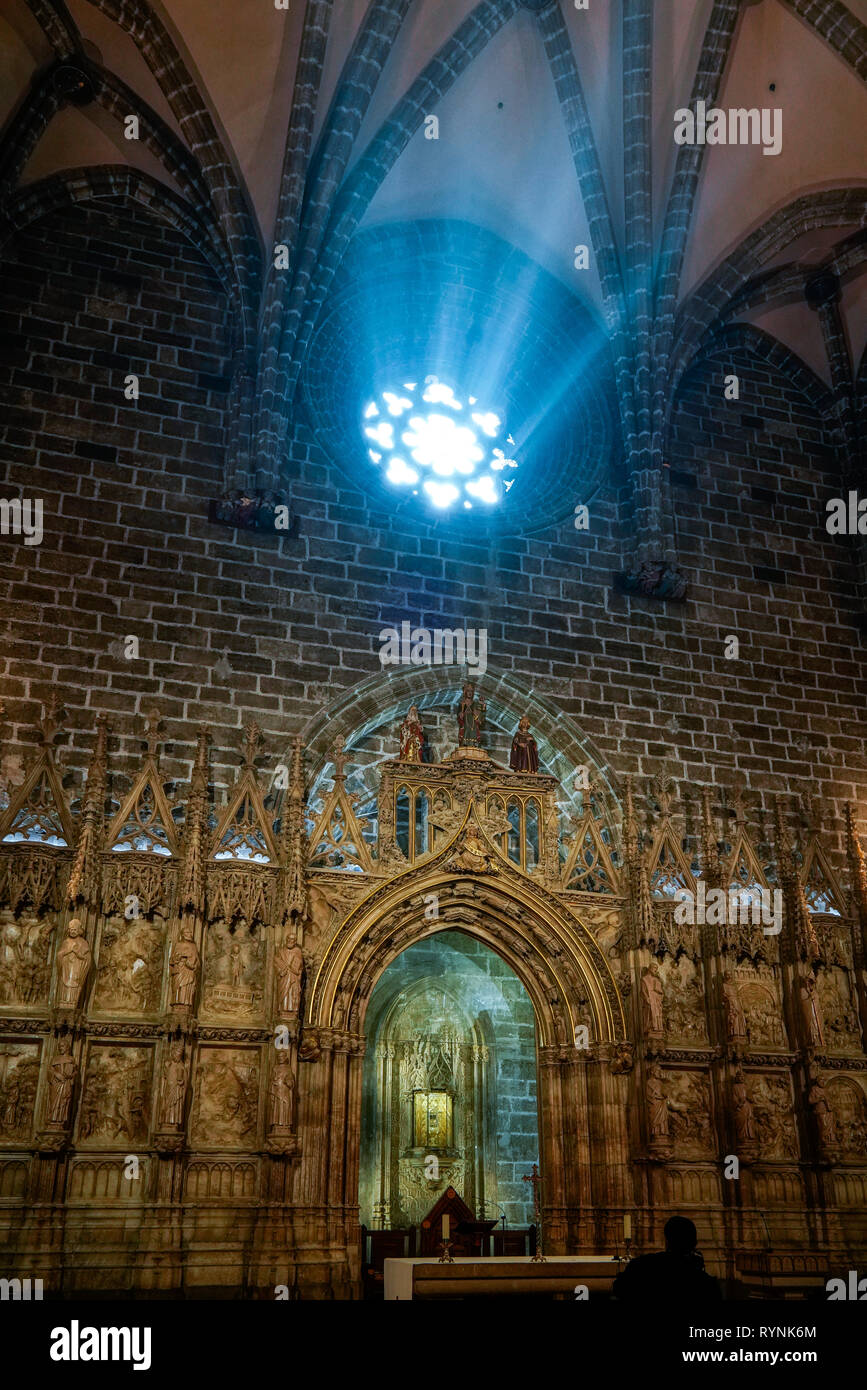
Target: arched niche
(449,1089)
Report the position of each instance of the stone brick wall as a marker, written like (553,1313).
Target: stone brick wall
(233,625)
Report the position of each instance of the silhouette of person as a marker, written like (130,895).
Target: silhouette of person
(677,1272)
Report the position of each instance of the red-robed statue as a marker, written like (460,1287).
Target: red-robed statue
(411,737)
(525,754)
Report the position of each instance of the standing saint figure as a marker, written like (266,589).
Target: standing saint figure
(289,968)
(736,1022)
(174,1088)
(73,963)
(651,1000)
(184,968)
(817,1099)
(61,1083)
(411,737)
(745,1129)
(525,753)
(236,964)
(281,1093)
(471,717)
(811,1011)
(657,1105)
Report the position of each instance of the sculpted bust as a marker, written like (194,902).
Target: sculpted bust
(73,964)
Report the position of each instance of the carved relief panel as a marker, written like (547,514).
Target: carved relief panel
(689,1118)
(25,958)
(849,1104)
(225,1111)
(19,1078)
(683,1003)
(129,967)
(116,1095)
(234,971)
(773,1111)
(760,998)
(839,1014)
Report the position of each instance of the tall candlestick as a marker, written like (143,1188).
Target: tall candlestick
(627,1227)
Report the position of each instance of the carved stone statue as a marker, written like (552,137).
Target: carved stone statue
(811,1011)
(289,968)
(411,737)
(524,756)
(73,964)
(61,1083)
(281,1093)
(817,1099)
(651,1000)
(657,1105)
(471,717)
(473,857)
(622,1058)
(742,1110)
(184,968)
(320,912)
(735,1018)
(174,1087)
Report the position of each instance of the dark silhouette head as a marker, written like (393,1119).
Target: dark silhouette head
(681,1237)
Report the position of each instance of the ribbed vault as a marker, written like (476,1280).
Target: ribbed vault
(338,106)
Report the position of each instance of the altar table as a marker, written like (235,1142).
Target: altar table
(505,1276)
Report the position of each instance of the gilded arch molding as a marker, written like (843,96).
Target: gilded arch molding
(553,954)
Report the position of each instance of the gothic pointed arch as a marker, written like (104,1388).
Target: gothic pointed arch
(245,831)
(144,823)
(374,704)
(470,885)
(337,838)
(38,812)
(589,866)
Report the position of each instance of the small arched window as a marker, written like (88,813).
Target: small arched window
(402,820)
(421,843)
(531,835)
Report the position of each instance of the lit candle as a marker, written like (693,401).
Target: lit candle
(445,1227)
(627,1227)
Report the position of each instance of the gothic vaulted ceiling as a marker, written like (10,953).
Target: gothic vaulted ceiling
(309,125)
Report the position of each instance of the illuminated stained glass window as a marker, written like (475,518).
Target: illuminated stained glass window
(432,1120)
(452,451)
